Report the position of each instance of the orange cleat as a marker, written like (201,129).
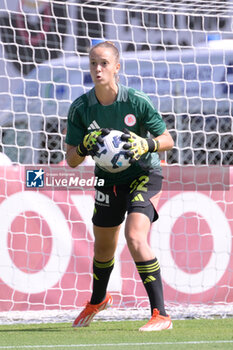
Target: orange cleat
(157,323)
(90,310)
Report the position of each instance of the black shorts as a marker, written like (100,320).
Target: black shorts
(139,195)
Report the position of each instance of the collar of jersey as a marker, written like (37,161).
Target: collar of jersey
(120,95)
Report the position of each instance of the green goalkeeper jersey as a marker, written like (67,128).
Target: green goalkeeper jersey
(133,110)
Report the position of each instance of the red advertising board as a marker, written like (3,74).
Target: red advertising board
(46,247)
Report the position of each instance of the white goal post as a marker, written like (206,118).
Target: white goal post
(181,54)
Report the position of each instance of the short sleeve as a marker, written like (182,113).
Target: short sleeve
(150,118)
(153,121)
(75,128)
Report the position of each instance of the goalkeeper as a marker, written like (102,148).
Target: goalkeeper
(132,194)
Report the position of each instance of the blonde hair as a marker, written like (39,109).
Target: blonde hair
(107,45)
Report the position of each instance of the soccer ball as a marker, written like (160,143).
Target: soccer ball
(111,155)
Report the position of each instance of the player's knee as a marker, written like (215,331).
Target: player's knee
(103,255)
(134,239)
(104,251)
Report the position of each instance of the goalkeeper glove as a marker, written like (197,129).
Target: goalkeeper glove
(136,146)
(89,143)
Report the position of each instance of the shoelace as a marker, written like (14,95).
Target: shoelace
(91,307)
(155,314)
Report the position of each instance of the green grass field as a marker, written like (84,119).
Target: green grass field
(186,334)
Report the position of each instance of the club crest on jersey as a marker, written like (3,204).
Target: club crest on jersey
(130,120)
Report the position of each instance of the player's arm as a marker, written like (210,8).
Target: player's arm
(75,155)
(72,157)
(153,122)
(89,146)
(165,141)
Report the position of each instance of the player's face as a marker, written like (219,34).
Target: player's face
(103,66)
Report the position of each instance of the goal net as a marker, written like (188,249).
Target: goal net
(181,54)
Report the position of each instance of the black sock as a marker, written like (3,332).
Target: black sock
(101,275)
(149,272)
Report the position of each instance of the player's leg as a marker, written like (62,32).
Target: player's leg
(141,213)
(110,208)
(104,248)
(107,218)
(106,239)
(136,232)
(137,227)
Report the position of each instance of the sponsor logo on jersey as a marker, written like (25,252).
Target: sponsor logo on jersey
(102,198)
(93,126)
(130,120)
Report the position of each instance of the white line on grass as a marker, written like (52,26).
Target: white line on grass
(119,344)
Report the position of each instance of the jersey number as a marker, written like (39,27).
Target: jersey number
(139,184)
